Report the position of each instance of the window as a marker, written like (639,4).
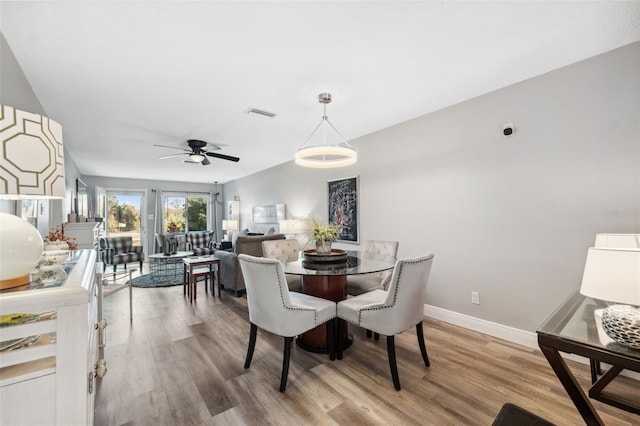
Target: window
(185,212)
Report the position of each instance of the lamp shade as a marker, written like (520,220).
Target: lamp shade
(31,167)
(32,156)
(612,274)
(618,240)
(230,225)
(288,227)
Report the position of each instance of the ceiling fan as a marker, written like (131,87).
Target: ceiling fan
(198,152)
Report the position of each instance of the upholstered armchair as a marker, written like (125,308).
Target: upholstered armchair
(285,251)
(394,311)
(274,309)
(119,251)
(200,243)
(377,250)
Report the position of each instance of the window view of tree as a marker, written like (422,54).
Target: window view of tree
(123,216)
(197,213)
(174,213)
(185,213)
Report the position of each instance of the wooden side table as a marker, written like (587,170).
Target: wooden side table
(194,267)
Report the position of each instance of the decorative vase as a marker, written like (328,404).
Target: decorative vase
(622,324)
(323,247)
(50,268)
(56,246)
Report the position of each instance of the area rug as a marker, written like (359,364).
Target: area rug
(155,280)
(158,280)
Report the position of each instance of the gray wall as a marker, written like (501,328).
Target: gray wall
(509,217)
(16,91)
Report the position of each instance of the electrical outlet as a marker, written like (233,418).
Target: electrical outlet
(475,297)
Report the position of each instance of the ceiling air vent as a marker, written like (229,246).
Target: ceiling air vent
(260,112)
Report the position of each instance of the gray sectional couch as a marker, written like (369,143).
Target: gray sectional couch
(230,273)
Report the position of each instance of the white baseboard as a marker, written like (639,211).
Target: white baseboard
(505,332)
(501,331)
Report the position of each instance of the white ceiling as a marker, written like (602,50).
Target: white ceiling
(123,76)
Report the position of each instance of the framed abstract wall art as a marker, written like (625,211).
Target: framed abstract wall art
(343,207)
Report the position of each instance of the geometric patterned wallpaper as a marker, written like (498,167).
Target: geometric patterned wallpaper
(31,156)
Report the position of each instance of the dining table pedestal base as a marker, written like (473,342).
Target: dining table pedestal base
(330,287)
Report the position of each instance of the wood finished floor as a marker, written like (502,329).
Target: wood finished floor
(182,364)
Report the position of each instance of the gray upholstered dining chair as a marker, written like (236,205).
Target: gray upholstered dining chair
(376,250)
(394,311)
(274,309)
(285,251)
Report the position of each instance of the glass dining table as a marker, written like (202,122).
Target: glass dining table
(328,280)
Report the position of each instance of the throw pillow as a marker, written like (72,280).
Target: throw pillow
(245,231)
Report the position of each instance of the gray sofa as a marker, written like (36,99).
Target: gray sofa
(230,273)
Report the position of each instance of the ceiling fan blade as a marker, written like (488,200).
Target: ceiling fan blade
(172,147)
(205,162)
(172,155)
(222,156)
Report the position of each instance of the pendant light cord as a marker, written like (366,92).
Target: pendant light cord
(326,118)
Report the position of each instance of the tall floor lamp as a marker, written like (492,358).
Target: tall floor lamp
(31,167)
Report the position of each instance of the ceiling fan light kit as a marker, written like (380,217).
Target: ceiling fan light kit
(326,156)
(198,152)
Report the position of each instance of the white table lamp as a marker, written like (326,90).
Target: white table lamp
(230,226)
(288,227)
(613,275)
(31,167)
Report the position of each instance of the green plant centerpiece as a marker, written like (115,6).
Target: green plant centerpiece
(324,235)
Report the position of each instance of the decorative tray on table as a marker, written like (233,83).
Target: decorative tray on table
(336,256)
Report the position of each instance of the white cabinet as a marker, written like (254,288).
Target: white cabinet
(52,382)
(85,233)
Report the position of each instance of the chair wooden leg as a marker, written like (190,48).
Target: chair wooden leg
(376,336)
(391,349)
(252,345)
(185,281)
(369,334)
(331,339)
(285,363)
(130,296)
(340,323)
(423,348)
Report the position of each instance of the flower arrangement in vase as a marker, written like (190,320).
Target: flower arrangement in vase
(56,240)
(324,235)
(173,227)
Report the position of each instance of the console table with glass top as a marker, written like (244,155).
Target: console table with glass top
(573,328)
